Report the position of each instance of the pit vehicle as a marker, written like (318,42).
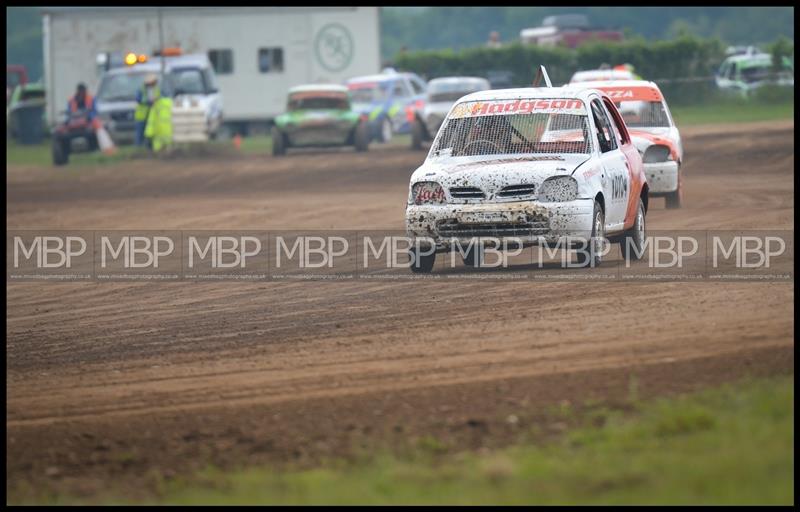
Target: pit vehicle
(389,100)
(442,94)
(531,166)
(744,73)
(189,80)
(319,116)
(654,134)
(22,96)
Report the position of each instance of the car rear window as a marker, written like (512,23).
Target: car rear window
(643,114)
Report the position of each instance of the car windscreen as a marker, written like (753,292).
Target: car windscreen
(368,92)
(318,102)
(120,87)
(643,114)
(187,81)
(514,127)
(31,94)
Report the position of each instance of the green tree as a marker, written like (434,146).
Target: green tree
(781,50)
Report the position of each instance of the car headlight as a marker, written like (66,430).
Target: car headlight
(558,189)
(657,153)
(427,192)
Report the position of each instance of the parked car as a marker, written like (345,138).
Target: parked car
(654,134)
(319,115)
(532,165)
(389,100)
(442,95)
(744,73)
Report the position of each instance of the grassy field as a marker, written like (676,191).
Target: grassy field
(713,113)
(728,445)
(732,112)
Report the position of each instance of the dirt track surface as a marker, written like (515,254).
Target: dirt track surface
(113,380)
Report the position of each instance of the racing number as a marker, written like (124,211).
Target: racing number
(619,186)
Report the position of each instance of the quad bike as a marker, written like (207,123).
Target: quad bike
(77,127)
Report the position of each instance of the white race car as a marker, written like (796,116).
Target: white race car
(442,94)
(532,165)
(654,134)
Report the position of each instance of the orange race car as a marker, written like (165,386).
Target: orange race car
(653,132)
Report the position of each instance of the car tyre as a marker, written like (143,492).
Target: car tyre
(278,142)
(421,263)
(362,137)
(632,243)
(474,256)
(594,256)
(60,151)
(416,135)
(674,199)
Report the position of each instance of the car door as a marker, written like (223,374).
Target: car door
(633,163)
(615,178)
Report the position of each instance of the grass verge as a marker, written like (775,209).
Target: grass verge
(732,112)
(721,111)
(727,445)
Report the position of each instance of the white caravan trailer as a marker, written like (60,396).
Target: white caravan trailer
(258,53)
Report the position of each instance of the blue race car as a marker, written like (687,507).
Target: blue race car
(389,100)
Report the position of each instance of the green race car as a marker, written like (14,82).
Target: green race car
(319,116)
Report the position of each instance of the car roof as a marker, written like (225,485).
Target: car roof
(594,84)
(382,77)
(318,88)
(566,92)
(612,74)
(749,57)
(638,90)
(457,79)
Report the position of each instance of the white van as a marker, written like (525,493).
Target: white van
(188,79)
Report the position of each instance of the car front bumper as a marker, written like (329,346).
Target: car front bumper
(662,177)
(527,221)
(122,132)
(335,133)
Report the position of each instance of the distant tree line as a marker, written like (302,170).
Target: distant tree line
(683,67)
(429,28)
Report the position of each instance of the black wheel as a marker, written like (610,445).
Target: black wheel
(421,263)
(362,137)
(632,244)
(591,256)
(474,256)
(416,134)
(673,199)
(60,150)
(278,142)
(386,131)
